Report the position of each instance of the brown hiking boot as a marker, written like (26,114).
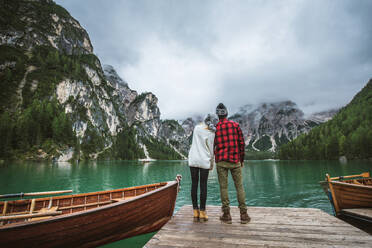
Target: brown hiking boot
(203,216)
(244,217)
(226,217)
(196,215)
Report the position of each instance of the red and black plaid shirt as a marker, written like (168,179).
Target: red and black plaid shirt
(228,142)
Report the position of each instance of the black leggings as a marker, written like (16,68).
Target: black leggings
(203,186)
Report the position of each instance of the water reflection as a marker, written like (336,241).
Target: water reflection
(61,165)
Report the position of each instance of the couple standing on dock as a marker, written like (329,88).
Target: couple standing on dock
(222,143)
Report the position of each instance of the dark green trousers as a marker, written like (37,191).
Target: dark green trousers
(223,169)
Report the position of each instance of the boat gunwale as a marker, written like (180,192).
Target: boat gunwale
(351,184)
(161,184)
(92,210)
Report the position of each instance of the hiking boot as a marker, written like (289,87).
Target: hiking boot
(244,217)
(226,217)
(203,216)
(196,214)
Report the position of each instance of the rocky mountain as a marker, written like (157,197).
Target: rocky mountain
(57,102)
(267,126)
(138,109)
(189,124)
(323,116)
(143,113)
(175,136)
(32,23)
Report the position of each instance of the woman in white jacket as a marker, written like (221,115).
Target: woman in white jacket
(201,160)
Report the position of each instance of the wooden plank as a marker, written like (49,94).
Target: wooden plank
(32,207)
(269,227)
(334,196)
(45,210)
(5,207)
(259,240)
(287,227)
(86,205)
(260,209)
(335,229)
(228,240)
(36,193)
(281,221)
(268,234)
(272,216)
(23,216)
(363,212)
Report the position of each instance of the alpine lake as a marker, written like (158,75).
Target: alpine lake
(269,183)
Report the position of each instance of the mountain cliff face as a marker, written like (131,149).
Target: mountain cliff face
(175,136)
(29,23)
(268,125)
(123,93)
(143,114)
(56,91)
(138,109)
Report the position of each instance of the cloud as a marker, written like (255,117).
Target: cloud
(195,54)
(181,78)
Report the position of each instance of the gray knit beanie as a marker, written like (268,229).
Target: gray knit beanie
(221,110)
(211,121)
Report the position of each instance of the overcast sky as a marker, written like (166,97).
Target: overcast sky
(194,54)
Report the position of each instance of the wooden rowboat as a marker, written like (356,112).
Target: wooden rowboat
(351,197)
(89,219)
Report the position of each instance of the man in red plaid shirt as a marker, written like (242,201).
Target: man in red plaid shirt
(229,156)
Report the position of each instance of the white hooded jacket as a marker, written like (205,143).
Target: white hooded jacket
(201,153)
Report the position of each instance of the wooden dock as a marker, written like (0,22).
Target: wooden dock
(269,227)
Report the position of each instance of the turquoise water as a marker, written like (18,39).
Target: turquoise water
(267,183)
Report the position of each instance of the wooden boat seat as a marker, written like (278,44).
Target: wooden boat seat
(118,199)
(121,199)
(46,211)
(356,182)
(30,216)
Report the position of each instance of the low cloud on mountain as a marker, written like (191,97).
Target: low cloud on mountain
(194,54)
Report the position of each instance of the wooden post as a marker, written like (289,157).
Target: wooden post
(32,207)
(5,207)
(335,204)
(50,202)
